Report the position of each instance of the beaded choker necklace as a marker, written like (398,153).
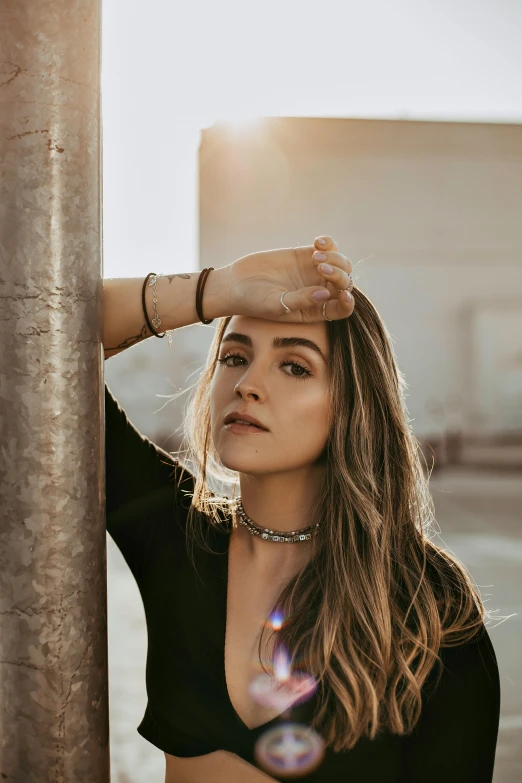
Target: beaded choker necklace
(290,536)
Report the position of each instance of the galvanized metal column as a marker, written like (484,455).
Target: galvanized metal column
(53,640)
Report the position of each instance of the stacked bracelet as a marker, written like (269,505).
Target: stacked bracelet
(156,321)
(199,294)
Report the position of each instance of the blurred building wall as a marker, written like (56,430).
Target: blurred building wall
(431,210)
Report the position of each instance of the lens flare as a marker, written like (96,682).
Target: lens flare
(274,694)
(289,750)
(276,621)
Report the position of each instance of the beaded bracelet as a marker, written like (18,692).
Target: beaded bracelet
(156,321)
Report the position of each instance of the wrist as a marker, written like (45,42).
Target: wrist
(216,294)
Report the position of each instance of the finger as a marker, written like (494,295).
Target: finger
(302,299)
(337,277)
(304,308)
(327,243)
(339,308)
(333,259)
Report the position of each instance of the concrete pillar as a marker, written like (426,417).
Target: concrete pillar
(53,639)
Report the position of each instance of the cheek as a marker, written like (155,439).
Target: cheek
(308,412)
(304,429)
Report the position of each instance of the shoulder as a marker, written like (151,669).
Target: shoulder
(455,737)
(476,655)
(469,671)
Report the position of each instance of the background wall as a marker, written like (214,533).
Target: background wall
(429,214)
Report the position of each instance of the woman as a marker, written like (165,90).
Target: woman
(389,625)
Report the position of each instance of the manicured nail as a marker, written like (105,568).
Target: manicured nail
(320,256)
(318,296)
(321,241)
(326,268)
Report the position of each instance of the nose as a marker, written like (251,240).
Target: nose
(248,384)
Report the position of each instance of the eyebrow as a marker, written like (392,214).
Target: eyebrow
(277,342)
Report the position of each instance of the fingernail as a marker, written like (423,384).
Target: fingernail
(320,256)
(326,268)
(317,296)
(321,241)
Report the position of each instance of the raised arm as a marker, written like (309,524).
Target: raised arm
(250,286)
(123,321)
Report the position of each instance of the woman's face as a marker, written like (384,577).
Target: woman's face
(264,381)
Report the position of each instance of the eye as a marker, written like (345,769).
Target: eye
(306,373)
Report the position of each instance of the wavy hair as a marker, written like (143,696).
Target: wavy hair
(367,615)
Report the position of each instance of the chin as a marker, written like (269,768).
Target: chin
(249,463)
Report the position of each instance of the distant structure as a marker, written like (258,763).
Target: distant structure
(429,214)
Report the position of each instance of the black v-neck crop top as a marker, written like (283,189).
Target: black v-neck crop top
(189,712)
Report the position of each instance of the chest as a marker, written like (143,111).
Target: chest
(250,599)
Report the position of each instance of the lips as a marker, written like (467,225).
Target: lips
(242,429)
(245,424)
(236,415)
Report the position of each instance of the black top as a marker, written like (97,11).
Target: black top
(189,712)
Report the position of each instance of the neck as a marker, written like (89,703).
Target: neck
(279,502)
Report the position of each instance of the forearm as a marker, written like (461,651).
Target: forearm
(218,767)
(124,324)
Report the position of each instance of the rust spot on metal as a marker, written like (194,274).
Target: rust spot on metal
(55,148)
(17,70)
(26,133)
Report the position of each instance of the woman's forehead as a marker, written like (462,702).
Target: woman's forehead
(261,328)
(256,331)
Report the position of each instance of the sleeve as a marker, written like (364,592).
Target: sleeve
(456,736)
(142,482)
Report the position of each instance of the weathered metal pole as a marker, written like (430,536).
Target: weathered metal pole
(53,639)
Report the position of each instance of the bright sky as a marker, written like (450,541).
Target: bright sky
(171,68)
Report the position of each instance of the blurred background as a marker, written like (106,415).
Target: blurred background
(394,127)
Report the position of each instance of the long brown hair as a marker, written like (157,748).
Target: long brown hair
(378,598)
